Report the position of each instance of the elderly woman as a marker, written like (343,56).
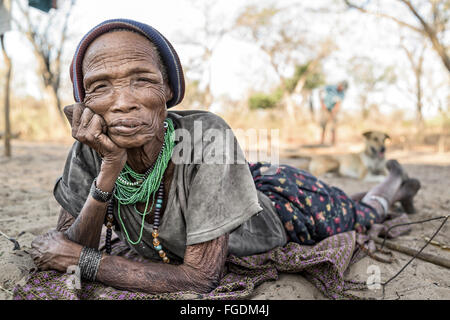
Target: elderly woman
(183,217)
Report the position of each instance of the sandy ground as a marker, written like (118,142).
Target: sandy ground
(27,208)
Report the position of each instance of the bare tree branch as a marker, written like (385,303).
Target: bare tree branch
(48,53)
(428,30)
(417,68)
(431,33)
(208,37)
(382,15)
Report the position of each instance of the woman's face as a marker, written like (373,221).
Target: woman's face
(124,85)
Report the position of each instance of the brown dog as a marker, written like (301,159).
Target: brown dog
(368,165)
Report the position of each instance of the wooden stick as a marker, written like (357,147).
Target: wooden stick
(440,261)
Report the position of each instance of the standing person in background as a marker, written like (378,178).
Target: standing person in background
(331,98)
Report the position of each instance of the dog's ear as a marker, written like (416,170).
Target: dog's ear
(386,136)
(367,134)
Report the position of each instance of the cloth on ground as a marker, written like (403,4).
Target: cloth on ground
(323,264)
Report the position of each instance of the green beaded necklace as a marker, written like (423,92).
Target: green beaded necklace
(132,187)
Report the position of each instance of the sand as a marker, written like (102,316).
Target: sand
(27,209)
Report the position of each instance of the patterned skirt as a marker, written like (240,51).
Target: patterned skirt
(310,209)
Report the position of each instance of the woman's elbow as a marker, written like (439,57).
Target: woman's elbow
(203,282)
(208,285)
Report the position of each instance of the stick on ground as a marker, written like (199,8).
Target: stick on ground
(440,261)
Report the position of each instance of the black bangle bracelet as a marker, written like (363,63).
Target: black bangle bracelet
(98,194)
(89,263)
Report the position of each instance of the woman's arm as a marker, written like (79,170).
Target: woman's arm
(87,227)
(65,220)
(89,128)
(201,270)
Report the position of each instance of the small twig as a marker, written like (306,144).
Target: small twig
(7,291)
(419,252)
(16,243)
(438,244)
(409,223)
(428,257)
(375,257)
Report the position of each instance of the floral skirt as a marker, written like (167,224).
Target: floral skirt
(310,209)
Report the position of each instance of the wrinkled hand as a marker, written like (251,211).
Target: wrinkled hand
(91,129)
(53,251)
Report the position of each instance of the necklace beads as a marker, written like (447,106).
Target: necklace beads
(132,187)
(109,225)
(155,234)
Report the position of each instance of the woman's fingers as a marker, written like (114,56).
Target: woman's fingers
(68,111)
(86,118)
(77,113)
(85,128)
(37,242)
(91,129)
(33,253)
(41,249)
(36,251)
(73,113)
(100,140)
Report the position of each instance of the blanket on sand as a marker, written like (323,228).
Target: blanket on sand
(324,264)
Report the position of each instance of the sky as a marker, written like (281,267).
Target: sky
(238,66)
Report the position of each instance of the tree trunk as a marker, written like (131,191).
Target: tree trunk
(7,99)
(54,110)
(289,106)
(307,96)
(417,67)
(419,114)
(208,98)
(364,109)
(419,73)
(57,101)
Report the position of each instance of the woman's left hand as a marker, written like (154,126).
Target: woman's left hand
(53,251)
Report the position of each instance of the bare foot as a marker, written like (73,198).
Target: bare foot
(396,168)
(406,194)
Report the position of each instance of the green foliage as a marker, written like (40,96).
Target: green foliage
(314,78)
(261,100)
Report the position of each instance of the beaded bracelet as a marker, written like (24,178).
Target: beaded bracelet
(98,194)
(89,263)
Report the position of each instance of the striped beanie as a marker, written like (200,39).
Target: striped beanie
(167,52)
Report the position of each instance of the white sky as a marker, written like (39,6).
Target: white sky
(238,66)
